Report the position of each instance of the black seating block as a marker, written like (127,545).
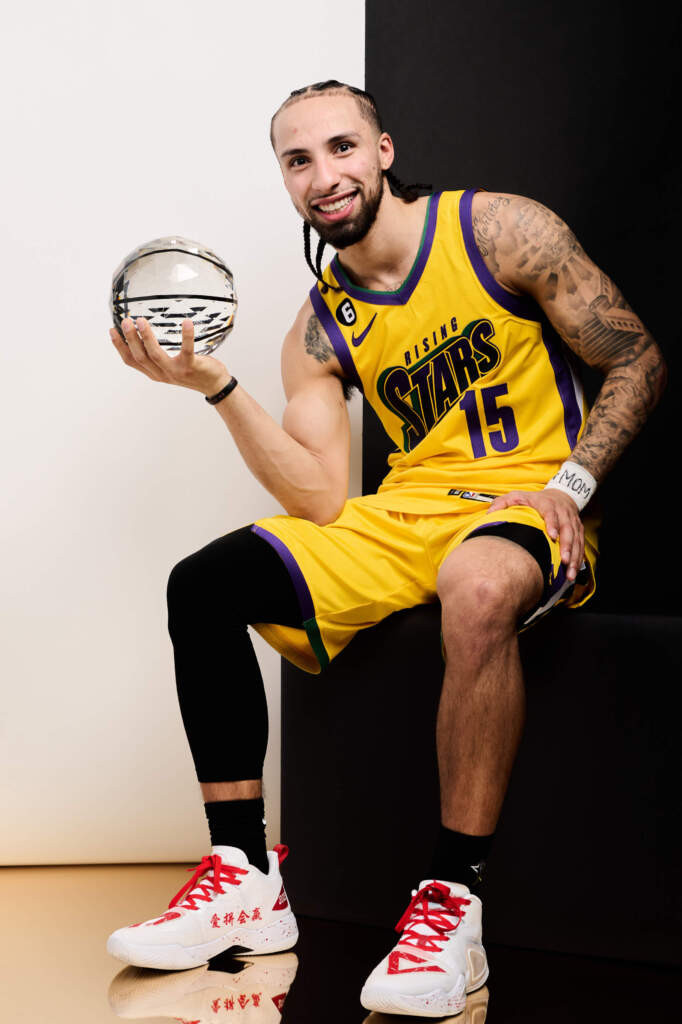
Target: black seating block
(585,857)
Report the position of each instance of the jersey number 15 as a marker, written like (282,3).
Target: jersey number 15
(505,436)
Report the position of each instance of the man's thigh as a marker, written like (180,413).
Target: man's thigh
(349,575)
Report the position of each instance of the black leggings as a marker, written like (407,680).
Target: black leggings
(212,596)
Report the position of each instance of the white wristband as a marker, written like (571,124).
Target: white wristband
(574,480)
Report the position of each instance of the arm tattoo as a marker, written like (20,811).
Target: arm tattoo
(318,346)
(487,229)
(316,341)
(529,247)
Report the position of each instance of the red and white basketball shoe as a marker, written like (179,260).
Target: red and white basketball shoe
(439,958)
(475,1011)
(226,903)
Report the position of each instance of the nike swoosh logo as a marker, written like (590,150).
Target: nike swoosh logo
(361,337)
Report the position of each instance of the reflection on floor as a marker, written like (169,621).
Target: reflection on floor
(55,967)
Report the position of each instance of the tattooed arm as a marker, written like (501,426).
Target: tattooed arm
(304,463)
(531,250)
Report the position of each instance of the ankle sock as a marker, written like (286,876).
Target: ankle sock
(239,823)
(459,857)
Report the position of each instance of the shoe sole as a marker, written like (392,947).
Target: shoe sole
(274,938)
(427,1004)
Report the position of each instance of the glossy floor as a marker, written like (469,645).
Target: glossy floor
(55,922)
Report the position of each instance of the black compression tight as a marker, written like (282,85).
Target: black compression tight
(212,596)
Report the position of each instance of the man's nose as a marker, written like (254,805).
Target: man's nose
(325,177)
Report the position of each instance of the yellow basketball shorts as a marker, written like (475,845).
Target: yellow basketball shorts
(370,562)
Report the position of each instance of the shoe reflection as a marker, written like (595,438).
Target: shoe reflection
(250,990)
(474,1012)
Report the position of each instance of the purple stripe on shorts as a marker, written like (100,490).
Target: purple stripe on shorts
(297,578)
(401,296)
(519,305)
(335,336)
(556,584)
(573,416)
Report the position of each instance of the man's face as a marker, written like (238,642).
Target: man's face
(332,161)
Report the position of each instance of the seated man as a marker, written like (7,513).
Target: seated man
(437,310)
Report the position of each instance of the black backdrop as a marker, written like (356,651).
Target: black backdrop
(574,105)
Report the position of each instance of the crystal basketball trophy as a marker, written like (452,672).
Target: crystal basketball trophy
(172,279)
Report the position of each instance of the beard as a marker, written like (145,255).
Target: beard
(346,233)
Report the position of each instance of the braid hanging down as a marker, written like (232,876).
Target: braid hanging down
(407,192)
(317,266)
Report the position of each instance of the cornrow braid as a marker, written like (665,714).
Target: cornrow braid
(407,192)
(317,266)
(318,263)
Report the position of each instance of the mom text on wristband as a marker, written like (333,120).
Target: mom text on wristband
(574,480)
(213,399)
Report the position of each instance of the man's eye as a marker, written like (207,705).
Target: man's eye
(298,161)
(344,146)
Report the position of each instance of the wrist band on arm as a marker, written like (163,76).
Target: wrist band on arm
(213,399)
(574,480)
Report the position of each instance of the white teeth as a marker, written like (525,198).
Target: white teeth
(340,205)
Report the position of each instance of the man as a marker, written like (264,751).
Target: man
(437,309)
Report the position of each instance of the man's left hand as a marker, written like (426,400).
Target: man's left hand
(561,517)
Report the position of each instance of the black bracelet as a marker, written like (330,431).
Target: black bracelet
(221,394)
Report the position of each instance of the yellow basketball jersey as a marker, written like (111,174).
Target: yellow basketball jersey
(474,389)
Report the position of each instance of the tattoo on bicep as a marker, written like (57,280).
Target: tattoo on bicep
(547,252)
(589,311)
(316,341)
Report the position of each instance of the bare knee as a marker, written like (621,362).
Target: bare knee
(484,586)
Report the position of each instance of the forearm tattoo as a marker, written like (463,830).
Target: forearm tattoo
(317,343)
(529,247)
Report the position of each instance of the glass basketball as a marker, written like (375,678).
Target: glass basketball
(169,280)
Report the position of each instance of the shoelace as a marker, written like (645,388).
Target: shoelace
(438,920)
(207,889)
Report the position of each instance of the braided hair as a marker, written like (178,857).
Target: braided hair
(370,112)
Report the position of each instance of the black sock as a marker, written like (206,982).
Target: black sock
(239,823)
(459,857)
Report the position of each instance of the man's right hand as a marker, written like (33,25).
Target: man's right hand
(140,349)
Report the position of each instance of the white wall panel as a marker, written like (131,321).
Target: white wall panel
(120,124)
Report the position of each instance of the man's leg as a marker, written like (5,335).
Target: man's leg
(212,595)
(485,585)
(236,895)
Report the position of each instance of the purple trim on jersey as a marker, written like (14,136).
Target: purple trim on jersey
(401,296)
(297,578)
(519,305)
(573,416)
(335,336)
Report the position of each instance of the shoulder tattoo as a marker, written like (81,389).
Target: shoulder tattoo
(316,341)
(487,227)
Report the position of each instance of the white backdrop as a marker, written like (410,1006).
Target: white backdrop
(122,123)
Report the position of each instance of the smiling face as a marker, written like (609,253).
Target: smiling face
(332,158)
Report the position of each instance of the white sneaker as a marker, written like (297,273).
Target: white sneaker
(250,991)
(438,959)
(226,903)
(475,1011)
